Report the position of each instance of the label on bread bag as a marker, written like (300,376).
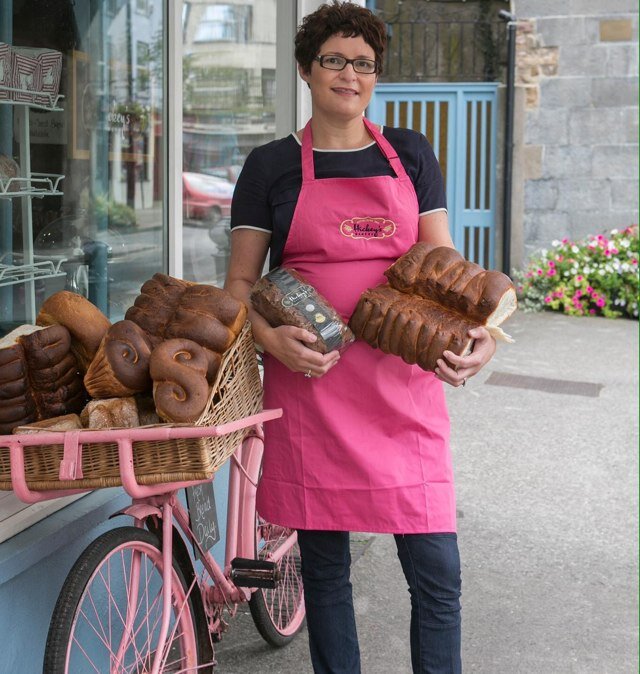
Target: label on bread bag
(304,298)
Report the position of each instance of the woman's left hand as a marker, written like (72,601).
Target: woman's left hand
(455,370)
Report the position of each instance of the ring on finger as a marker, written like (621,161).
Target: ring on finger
(307,374)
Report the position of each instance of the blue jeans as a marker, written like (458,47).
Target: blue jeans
(431,565)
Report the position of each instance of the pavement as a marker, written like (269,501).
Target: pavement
(545,447)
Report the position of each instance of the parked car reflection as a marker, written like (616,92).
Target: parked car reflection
(206,198)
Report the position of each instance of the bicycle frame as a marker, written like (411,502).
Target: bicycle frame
(161,501)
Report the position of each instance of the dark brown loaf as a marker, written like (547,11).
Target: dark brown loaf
(283,297)
(121,365)
(411,327)
(442,275)
(179,371)
(86,324)
(39,376)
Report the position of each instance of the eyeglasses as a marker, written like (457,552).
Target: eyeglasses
(333,62)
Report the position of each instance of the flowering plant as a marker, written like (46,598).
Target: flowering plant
(596,276)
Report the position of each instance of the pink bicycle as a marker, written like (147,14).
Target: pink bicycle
(136,600)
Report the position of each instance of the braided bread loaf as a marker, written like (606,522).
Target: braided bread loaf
(39,376)
(434,297)
(179,371)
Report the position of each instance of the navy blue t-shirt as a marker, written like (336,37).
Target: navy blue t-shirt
(267,190)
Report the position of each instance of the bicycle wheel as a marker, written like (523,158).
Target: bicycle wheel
(109,612)
(278,613)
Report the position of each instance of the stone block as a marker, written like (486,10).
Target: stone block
(532,162)
(615,161)
(622,60)
(599,126)
(543,227)
(624,194)
(541,194)
(614,92)
(561,31)
(567,161)
(576,61)
(565,92)
(527,9)
(547,127)
(584,223)
(616,30)
(576,194)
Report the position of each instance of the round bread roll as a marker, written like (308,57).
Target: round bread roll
(84,321)
(178,368)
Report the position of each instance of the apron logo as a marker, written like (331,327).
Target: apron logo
(367,228)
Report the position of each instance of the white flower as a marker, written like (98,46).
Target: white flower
(622,302)
(555,243)
(575,249)
(614,231)
(543,252)
(587,270)
(625,243)
(602,272)
(566,273)
(625,267)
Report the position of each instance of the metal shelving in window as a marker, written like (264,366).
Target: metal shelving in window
(26,187)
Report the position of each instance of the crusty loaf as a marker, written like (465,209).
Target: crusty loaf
(87,325)
(416,329)
(110,413)
(39,376)
(442,275)
(121,365)
(283,297)
(67,422)
(179,371)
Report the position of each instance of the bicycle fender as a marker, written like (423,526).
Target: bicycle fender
(139,511)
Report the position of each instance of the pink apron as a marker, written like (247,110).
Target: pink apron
(366,447)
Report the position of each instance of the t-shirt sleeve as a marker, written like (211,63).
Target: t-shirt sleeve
(428,183)
(250,207)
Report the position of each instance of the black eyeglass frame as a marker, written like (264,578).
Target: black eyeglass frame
(320,60)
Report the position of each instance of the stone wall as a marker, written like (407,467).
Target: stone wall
(577,65)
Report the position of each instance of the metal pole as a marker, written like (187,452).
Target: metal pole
(6,147)
(508,138)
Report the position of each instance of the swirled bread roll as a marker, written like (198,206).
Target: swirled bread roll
(121,365)
(179,371)
(86,324)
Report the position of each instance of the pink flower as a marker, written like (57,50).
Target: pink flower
(634,261)
(601,301)
(551,263)
(540,272)
(615,251)
(578,293)
(600,237)
(551,272)
(589,289)
(607,252)
(565,240)
(529,274)
(547,299)
(592,311)
(557,293)
(559,258)
(594,295)
(578,279)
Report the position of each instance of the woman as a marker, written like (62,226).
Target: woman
(363,442)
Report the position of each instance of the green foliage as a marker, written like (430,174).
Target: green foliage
(117,214)
(597,276)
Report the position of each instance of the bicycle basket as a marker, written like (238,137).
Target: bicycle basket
(236,393)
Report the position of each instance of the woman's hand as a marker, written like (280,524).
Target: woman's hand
(288,344)
(455,370)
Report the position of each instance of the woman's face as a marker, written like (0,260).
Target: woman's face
(341,93)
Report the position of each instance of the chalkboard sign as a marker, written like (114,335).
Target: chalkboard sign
(203,519)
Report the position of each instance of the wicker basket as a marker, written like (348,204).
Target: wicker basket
(236,393)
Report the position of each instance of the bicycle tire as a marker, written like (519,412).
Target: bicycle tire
(278,613)
(97,589)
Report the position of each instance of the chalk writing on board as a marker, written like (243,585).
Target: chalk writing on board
(203,518)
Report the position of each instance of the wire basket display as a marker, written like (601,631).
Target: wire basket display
(236,393)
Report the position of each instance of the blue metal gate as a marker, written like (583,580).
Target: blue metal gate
(459,121)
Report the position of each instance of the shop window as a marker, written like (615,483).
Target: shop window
(92,119)
(229,107)
(230,23)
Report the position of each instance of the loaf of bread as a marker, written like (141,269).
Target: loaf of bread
(67,422)
(442,275)
(120,368)
(110,413)
(283,297)
(39,376)
(433,298)
(179,371)
(155,305)
(86,324)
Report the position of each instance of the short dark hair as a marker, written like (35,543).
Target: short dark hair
(338,18)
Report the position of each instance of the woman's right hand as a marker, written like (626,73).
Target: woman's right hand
(288,344)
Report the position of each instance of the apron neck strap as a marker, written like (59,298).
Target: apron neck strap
(308,171)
